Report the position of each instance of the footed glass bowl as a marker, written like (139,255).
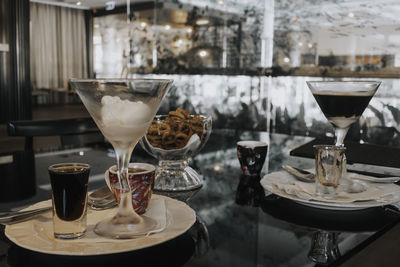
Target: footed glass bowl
(173,142)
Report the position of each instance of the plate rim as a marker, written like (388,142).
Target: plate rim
(130,244)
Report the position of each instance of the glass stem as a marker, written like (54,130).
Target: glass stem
(340,134)
(125,206)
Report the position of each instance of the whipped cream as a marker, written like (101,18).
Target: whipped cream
(123,120)
(124,112)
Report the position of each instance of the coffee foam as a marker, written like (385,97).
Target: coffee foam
(339,93)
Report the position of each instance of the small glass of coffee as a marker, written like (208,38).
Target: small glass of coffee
(328,169)
(69,184)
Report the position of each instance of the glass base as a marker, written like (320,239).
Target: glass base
(70,235)
(177,180)
(120,229)
(327,192)
(179,195)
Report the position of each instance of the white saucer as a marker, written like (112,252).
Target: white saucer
(37,234)
(266,183)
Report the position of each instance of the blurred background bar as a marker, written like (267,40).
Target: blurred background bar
(245,63)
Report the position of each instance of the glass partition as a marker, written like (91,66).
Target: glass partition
(190,37)
(247,62)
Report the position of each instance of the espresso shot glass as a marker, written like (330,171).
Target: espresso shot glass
(69,184)
(329,164)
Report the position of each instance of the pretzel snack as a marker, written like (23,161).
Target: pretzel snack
(175,130)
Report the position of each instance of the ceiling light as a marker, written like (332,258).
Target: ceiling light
(189,30)
(96,25)
(78,3)
(203,53)
(217,168)
(300,44)
(351,15)
(221,2)
(167,27)
(178,42)
(286,59)
(202,21)
(310,45)
(143,24)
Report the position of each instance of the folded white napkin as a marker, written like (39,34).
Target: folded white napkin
(285,182)
(156,210)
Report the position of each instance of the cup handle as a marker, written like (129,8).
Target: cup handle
(107,178)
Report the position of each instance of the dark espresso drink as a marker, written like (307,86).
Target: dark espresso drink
(333,105)
(342,109)
(69,185)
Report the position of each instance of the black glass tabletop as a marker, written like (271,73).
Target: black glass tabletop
(238,223)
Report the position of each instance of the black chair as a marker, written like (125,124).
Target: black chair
(17,177)
(60,127)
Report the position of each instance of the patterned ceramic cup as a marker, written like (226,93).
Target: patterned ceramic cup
(251,155)
(141,181)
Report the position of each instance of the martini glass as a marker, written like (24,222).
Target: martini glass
(123,110)
(343,102)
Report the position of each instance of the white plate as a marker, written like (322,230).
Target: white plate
(37,234)
(356,205)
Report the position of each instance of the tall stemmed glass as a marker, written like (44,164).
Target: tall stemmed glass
(123,110)
(343,102)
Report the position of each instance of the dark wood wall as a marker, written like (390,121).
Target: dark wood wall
(15,88)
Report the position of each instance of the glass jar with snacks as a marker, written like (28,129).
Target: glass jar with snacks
(173,139)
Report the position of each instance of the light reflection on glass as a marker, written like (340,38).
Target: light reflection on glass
(202,21)
(217,168)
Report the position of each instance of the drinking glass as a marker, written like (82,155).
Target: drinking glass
(174,177)
(69,186)
(328,169)
(123,110)
(343,102)
(324,247)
